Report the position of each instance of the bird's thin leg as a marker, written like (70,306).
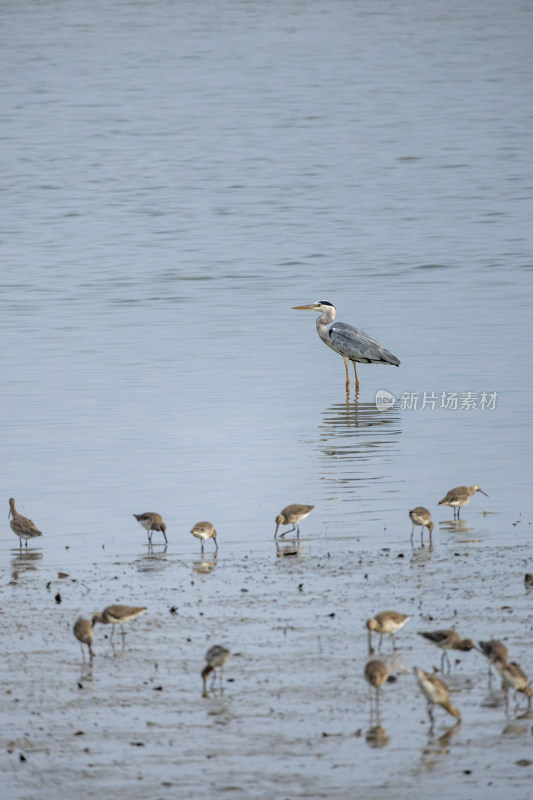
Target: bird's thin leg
(458,512)
(430,712)
(26,544)
(356,378)
(112,632)
(20,543)
(216,544)
(297,530)
(82,651)
(282,535)
(166,540)
(202,545)
(393,641)
(346,360)
(150,537)
(380,641)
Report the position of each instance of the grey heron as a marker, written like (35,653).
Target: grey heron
(351,343)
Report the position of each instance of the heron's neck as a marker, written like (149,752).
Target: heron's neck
(322,322)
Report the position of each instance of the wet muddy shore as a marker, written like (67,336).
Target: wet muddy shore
(294,716)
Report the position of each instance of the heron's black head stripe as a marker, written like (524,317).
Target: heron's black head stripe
(325,303)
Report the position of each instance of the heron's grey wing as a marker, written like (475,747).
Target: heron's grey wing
(358,345)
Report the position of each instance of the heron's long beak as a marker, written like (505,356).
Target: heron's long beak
(304,308)
(276,531)
(482,492)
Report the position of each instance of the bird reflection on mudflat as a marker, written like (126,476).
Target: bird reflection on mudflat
(289,549)
(377,736)
(153,560)
(205,564)
(24,561)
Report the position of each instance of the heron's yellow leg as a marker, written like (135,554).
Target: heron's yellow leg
(356,378)
(346,360)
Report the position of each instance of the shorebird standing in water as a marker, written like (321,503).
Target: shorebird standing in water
(459,497)
(117,615)
(351,343)
(152,522)
(421,516)
(21,526)
(292,515)
(385,622)
(513,677)
(203,531)
(436,693)
(447,640)
(215,658)
(376,675)
(83,631)
(494,649)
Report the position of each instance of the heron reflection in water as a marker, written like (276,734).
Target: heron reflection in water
(351,343)
(357,441)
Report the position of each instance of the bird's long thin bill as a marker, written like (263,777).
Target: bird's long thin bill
(303,308)
(482,492)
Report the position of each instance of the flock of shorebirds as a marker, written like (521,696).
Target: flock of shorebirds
(386,622)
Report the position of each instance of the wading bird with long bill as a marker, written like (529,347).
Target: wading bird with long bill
(351,343)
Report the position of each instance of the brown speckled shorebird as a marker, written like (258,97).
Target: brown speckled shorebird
(494,649)
(528,579)
(385,622)
(459,497)
(152,522)
(83,631)
(513,677)
(292,515)
(21,526)
(203,531)
(447,640)
(117,615)
(376,675)
(421,516)
(436,693)
(215,658)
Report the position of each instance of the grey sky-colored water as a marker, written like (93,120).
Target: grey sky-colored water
(175,177)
